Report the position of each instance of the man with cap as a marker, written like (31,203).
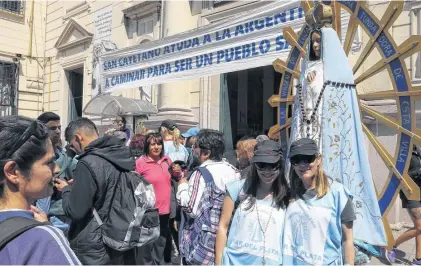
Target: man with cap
(190,136)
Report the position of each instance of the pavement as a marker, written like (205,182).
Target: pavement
(405,254)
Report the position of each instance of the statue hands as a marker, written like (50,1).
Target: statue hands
(310,76)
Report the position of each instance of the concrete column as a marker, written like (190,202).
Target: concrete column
(242,125)
(267,93)
(174,98)
(215,101)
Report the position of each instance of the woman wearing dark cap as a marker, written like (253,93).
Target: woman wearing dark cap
(257,205)
(318,222)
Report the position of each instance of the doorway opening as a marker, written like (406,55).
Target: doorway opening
(248,92)
(75,81)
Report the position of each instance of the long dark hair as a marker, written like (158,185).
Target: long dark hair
(159,140)
(312,55)
(280,189)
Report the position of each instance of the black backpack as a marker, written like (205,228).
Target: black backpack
(14,227)
(129,219)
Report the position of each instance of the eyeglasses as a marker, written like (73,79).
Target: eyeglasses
(303,159)
(267,166)
(35,129)
(54,128)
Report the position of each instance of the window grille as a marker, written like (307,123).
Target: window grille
(9,75)
(14,6)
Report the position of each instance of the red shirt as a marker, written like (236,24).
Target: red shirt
(157,174)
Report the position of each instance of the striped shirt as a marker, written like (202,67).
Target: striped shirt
(189,194)
(41,245)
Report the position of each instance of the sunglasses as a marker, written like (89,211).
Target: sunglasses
(303,159)
(35,129)
(267,166)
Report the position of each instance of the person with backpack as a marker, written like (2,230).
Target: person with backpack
(27,163)
(154,165)
(201,199)
(251,227)
(99,203)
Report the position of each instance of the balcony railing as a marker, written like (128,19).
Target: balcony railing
(13,6)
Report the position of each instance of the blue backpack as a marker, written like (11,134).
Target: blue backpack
(198,236)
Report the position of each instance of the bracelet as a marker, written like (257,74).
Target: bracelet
(346,264)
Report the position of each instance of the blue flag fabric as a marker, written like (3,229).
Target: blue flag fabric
(344,152)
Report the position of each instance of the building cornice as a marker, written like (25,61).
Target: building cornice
(76,9)
(142,9)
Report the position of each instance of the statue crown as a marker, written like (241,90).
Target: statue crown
(319,16)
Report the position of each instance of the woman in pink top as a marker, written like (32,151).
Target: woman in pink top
(154,165)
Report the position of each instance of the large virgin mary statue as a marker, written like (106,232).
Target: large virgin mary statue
(326,110)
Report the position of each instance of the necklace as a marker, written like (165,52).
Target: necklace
(264,231)
(307,121)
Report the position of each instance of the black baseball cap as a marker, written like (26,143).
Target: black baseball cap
(170,124)
(303,147)
(267,151)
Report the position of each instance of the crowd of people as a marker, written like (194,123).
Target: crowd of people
(210,210)
(212,207)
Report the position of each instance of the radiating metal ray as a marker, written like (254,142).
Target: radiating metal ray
(407,48)
(392,13)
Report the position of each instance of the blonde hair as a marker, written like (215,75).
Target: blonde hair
(175,135)
(246,147)
(320,182)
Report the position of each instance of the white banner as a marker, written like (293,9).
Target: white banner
(247,40)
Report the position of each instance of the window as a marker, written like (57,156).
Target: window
(14,6)
(141,27)
(145,26)
(9,74)
(132,28)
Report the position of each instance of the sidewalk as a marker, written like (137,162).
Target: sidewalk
(406,252)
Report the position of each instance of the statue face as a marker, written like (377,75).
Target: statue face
(315,42)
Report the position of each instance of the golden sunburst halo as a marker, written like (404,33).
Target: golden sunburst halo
(392,60)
